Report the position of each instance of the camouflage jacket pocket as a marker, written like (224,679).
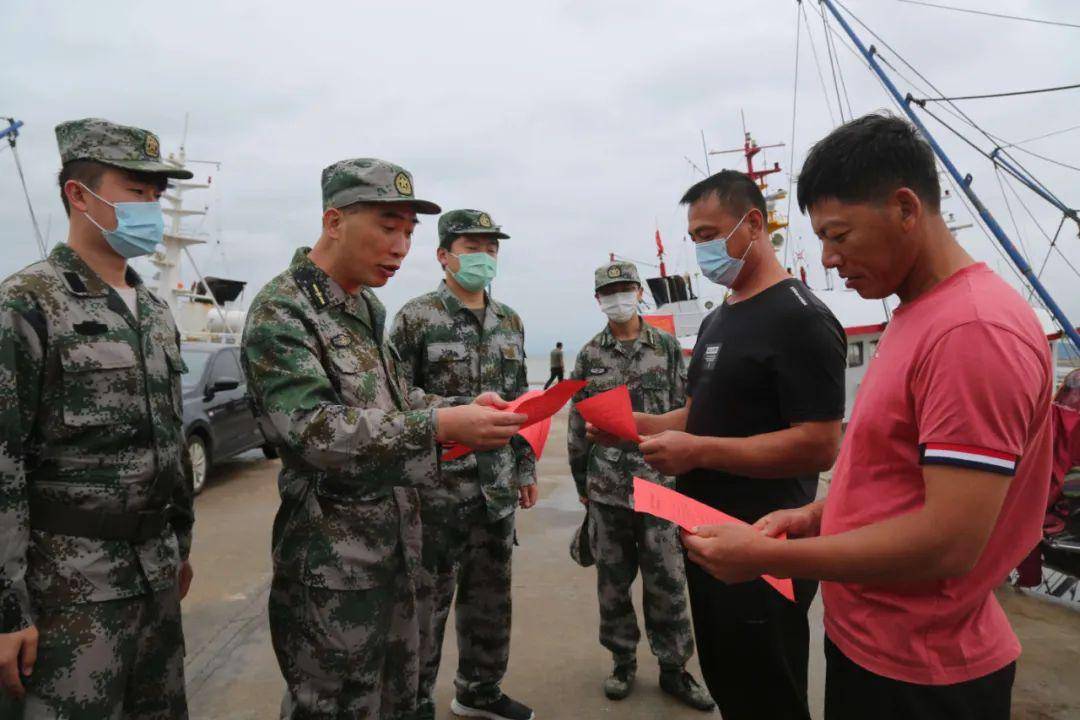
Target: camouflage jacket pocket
(101,383)
(357,380)
(655,394)
(512,359)
(448,369)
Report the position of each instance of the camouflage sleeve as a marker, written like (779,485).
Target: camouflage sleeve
(576,444)
(523,452)
(369,446)
(21,368)
(408,345)
(678,380)
(182,503)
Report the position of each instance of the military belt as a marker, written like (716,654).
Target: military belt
(134,526)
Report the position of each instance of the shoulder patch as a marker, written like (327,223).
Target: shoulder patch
(598,370)
(75,282)
(308,282)
(341,341)
(90,327)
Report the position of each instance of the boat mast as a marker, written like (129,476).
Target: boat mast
(963,181)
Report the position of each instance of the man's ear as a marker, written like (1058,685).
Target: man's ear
(333,221)
(757,221)
(76,195)
(443,256)
(909,207)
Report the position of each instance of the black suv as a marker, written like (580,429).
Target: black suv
(218,421)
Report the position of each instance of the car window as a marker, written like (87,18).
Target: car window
(226,366)
(239,364)
(196,361)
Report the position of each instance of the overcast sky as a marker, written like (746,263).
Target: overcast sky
(569,122)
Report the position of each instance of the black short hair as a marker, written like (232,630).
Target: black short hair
(558,344)
(866,160)
(735,191)
(89,173)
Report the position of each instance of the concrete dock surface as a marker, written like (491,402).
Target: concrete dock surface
(556,662)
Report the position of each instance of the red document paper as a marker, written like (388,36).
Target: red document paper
(538,406)
(688,514)
(612,412)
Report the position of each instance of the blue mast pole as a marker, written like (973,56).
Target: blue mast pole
(13,127)
(964,181)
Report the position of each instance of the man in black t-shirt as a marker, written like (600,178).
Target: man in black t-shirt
(766,398)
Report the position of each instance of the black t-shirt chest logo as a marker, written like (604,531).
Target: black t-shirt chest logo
(711,353)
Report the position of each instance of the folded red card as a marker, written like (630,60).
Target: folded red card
(612,412)
(688,514)
(538,406)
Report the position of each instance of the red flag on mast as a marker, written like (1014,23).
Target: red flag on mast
(660,253)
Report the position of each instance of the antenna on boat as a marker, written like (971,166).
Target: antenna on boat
(705,150)
(11,132)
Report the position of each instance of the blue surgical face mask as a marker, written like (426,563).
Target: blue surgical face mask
(714,261)
(476,272)
(139,226)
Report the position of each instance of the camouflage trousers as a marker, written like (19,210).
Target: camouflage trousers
(472,557)
(109,660)
(627,541)
(346,653)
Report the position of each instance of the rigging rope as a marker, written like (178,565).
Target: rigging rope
(794,105)
(1050,250)
(817,64)
(1008,206)
(990,14)
(832,65)
(1040,137)
(833,38)
(978,221)
(26,193)
(999,95)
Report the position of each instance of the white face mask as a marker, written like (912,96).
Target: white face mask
(620,307)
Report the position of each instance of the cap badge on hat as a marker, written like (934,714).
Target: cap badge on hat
(153,148)
(614,271)
(403,184)
(484,220)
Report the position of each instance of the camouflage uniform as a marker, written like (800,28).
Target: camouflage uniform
(468,517)
(331,395)
(95,494)
(654,370)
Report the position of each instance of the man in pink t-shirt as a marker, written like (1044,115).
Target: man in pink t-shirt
(943,475)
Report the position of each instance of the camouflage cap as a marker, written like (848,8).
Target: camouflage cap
(370,180)
(468,222)
(616,272)
(128,148)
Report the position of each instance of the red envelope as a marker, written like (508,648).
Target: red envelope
(538,406)
(612,412)
(688,513)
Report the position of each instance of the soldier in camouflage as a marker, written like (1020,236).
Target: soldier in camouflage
(95,493)
(355,440)
(457,340)
(649,362)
